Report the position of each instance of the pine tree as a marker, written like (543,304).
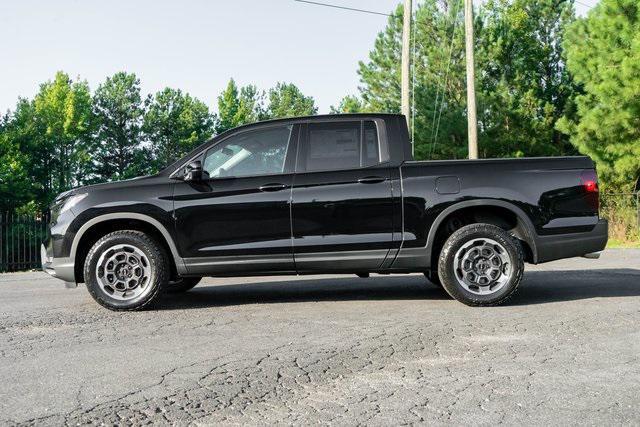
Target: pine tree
(174,124)
(236,108)
(286,100)
(523,87)
(603,53)
(119,110)
(63,120)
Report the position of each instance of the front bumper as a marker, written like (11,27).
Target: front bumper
(561,246)
(60,268)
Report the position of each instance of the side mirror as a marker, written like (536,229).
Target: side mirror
(193,171)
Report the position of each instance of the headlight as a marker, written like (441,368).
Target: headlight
(72,201)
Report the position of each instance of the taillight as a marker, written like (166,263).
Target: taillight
(589,181)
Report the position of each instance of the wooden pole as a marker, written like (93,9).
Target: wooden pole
(472,119)
(406,63)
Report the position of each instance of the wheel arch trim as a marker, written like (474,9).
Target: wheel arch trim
(180,266)
(529,229)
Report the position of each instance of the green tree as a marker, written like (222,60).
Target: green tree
(119,110)
(525,87)
(15,185)
(522,84)
(438,66)
(286,100)
(603,54)
(348,104)
(251,107)
(238,107)
(174,124)
(45,142)
(381,74)
(59,121)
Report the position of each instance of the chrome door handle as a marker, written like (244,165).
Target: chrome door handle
(371,180)
(272,187)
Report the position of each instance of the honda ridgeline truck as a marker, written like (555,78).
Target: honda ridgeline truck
(324,194)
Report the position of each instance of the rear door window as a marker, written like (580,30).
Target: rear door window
(342,145)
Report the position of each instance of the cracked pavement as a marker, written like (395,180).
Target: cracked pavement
(328,349)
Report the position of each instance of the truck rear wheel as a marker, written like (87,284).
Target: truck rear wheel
(481,265)
(125,270)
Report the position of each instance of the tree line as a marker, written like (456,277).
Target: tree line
(548,84)
(68,136)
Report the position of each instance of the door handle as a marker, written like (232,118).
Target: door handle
(371,180)
(272,187)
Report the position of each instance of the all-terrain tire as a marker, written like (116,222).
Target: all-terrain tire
(149,253)
(452,270)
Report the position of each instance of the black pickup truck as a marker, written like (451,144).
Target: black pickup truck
(324,194)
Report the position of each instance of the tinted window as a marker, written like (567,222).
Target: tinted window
(345,145)
(333,146)
(370,146)
(259,152)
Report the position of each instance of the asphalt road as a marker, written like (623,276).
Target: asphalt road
(341,350)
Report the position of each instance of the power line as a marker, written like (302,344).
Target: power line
(335,6)
(584,4)
(435,128)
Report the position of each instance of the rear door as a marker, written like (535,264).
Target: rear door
(342,210)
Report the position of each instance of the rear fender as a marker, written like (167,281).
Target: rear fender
(527,226)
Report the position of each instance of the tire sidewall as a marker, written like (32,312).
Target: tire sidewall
(153,253)
(447,264)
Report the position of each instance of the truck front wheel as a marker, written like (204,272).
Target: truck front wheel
(125,270)
(481,265)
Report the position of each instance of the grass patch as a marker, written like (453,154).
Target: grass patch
(621,210)
(617,244)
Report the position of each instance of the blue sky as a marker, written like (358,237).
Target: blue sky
(194,45)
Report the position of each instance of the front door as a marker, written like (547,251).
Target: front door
(239,219)
(342,202)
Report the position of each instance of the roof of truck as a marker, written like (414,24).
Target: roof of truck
(320,117)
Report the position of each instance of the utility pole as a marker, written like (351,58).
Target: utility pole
(472,119)
(406,63)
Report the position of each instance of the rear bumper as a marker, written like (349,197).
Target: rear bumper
(560,246)
(60,268)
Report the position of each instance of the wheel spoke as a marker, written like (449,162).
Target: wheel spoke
(108,268)
(494,273)
(483,266)
(123,272)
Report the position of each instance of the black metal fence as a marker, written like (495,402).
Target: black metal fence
(20,239)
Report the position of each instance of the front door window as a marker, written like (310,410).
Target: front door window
(252,153)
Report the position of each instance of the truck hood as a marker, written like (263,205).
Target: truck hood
(106,186)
